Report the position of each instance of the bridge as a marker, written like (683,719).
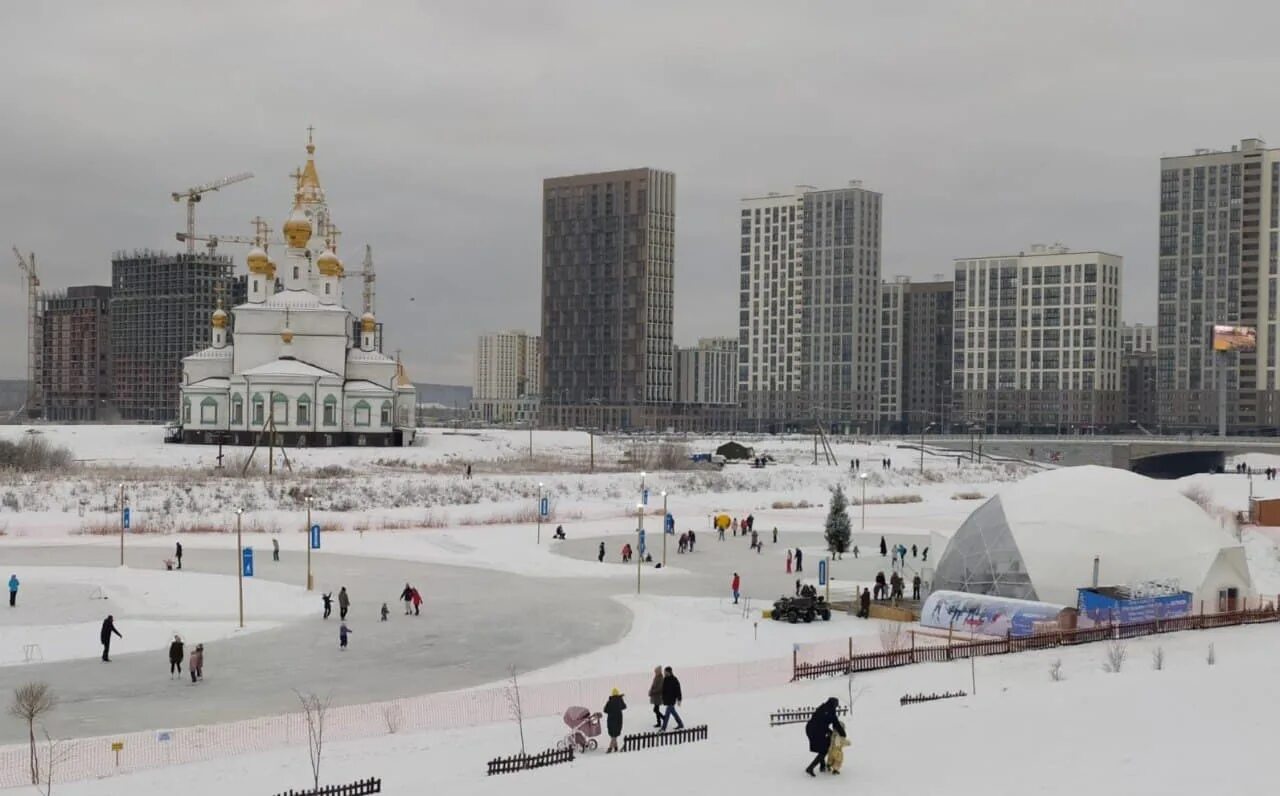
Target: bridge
(1158,457)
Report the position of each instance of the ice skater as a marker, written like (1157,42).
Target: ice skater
(416,598)
(275,549)
(344,602)
(195,666)
(177,553)
(343,632)
(384,612)
(175,657)
(108,627)
(328,603)
(13,590)
(734,586)
(600,554)
(406,594)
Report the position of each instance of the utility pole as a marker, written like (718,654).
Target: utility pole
(639,536)
(310,582)
(240,564)
(863,478)
(540,499)
(665,515)
(123,509)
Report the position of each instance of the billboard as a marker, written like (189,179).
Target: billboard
(1235,338)
(985,614)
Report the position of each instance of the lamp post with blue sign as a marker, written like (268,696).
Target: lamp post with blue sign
(124,522)
(639,542)
(666,528)
(243,562)
(313,542)
(542,509)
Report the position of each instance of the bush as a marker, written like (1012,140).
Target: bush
(787,504)
(1117,651)
(33,454)
(968,496)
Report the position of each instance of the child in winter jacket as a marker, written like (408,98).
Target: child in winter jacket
(835,755)
(384,612)
(343,630)
(195,666)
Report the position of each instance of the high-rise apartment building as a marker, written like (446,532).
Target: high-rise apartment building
(507,386)
(1137,337)
(915,355)
(75,368)
(160,308)
(608,255)
(708,373)
(892,331)
(808,309)
(1037,340)
(1219,252)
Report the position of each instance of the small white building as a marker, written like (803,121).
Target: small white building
(299,362)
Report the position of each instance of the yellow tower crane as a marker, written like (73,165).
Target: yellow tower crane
(193,195)
(34,404)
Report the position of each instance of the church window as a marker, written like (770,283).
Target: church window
(304,410)
(255,286)
(330,410)
(186,410)
(295,272)
(386,413)
(280,408)
(209,411)
(326,288)
(258,418)
(237,409)
(362,411)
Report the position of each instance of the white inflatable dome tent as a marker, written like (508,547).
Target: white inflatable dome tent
(1037,540)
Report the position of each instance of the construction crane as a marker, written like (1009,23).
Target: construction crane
(367,276)
(193,195)
(262,237)
(28,267)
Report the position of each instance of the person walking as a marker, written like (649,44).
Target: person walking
(195,666)
(406,594)
(924,554)
(177,553)
(275,549)
(855,551)
(108,627)
(655,696)
(175,657)
(788,560)
(799,560)
(344,602)
(600,555)
(613,708)
(693,538)
(884,548)
(13,590)
(864,603)
(818,730)
(775,534)
(384,612)
(915,551)
(733,586)
(343,632)
(416,598)
(671,698)
(328,603)
(915,588)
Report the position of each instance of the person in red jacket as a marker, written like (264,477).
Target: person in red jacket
(416,597)
(735,586)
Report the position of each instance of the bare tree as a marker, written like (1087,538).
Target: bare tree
(1055,671)
(315,709)
(514,705)
(1157,659)
(893,636)
(391,716)
(1117,651)
(55,752)
(30,702)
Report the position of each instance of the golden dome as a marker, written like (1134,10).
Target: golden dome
(258,262)
(329,264)
(367,322)
(286,335)
(219,318)
(297,230)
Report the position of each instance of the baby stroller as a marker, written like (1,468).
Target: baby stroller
(584,727)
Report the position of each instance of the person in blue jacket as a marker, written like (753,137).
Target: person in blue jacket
(13,590)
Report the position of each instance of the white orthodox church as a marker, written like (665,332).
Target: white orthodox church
(297,362)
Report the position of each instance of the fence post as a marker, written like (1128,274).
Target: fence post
(850,648)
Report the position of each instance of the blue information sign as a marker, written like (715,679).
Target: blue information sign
(315,537)
(822,572)
(126,518)
(246,562)
(544,507)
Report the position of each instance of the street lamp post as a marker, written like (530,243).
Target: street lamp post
(664,523)
(863,478)
(240,564)
(639,536)
(122,515)
(540,493)
(310,580)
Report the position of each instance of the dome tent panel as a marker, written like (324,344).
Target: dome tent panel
(983,558)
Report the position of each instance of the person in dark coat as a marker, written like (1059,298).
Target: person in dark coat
(864,604)
(344,602)
(671,697)
(406,594)
(799,560)
(600,554)
(175,657)
(275,549)
(818,729)
(613,718)
(177,553)
(884,548)
(915,587)
(108,627)
(328,603)
(655,696)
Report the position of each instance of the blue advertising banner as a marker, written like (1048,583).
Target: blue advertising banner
(246,562)
(126,518)
(315,537)
(822,572)
(670,524)
(1100,608)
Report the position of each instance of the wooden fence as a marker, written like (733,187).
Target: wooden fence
(915,699)
(551,757)
(797,715)
(650,740)
(1000,646)
(362,788)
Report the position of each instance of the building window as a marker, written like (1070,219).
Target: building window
(326,288)
(209,411)
(386,413)
(258,410)
(362,413)
(304,410)
(237,410)
(295,272)
(186,410)
(280,409)
(330,410)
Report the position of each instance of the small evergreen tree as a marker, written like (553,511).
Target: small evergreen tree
(838,530)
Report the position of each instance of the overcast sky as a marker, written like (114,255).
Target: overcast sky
(987,126)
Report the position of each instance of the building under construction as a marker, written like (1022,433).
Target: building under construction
(159,309)
(75,355)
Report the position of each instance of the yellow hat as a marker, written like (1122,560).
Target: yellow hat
(616,692)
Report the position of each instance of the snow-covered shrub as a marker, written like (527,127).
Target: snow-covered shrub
(893,636)
(11,501)
(968,496)
(1157,659)
(1117,651)
(33,454)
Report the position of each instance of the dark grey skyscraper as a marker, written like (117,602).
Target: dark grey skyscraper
(608,253)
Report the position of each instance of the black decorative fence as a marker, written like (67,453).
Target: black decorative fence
(914,699)
(651,740)
(798,715)
(510,765)
(362,788)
